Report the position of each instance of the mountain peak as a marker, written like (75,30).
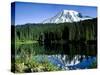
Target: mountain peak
(66,16)
(69,11)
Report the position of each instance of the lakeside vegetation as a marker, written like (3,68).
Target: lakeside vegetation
(32,65)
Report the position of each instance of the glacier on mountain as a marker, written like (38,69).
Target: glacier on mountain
(67,16)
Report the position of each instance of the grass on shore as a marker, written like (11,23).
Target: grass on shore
(32,66)
(26,42)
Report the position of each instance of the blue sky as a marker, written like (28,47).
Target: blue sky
(37,12)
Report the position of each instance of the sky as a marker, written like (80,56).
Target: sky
(37,12)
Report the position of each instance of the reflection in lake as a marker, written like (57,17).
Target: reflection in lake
(65,56)
(77,62)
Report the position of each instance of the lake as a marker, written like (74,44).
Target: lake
(65,56)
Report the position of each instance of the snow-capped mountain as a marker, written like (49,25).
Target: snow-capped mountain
(66,16)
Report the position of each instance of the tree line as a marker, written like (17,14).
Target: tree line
(83,30)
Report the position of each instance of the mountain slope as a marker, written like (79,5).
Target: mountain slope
(66,16)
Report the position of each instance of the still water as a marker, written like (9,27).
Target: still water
(64,56)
